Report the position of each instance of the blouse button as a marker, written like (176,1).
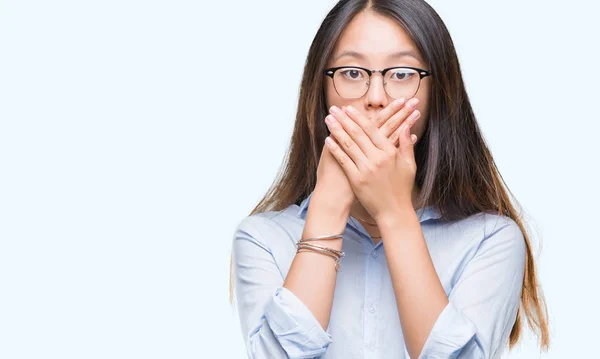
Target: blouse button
(374,253)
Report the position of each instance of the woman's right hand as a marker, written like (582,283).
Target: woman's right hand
(331,178)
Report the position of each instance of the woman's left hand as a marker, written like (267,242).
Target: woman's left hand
(381,175)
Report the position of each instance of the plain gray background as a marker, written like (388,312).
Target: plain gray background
(135,135)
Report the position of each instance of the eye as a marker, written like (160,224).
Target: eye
(352,74)
(402,75)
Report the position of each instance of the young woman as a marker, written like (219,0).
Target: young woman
(390,233)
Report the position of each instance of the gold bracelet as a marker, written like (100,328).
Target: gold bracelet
(333,236)
(335,257)
(330,250)
(337,261)
(318,251)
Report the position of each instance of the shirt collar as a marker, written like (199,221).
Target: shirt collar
(424,214)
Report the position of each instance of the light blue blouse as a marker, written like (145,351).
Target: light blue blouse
(480,261)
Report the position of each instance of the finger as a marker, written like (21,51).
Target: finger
(389,111)
(355,132)
(407,145)
(342,158)
(376,136)
(398,118)
(403,133)
(346,143)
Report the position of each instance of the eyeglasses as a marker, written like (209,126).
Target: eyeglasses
(352,82)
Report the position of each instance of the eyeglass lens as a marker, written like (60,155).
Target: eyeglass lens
(354,83)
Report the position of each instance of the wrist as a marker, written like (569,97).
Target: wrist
(325,216)
(397,217)
(330,201)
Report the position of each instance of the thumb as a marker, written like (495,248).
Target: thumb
(407,145)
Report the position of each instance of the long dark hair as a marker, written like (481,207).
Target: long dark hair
(455,169)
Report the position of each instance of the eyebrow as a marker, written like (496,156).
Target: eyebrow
(394,56)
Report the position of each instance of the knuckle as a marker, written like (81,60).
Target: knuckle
(398,132)
(353,131)
(362,180)
(385,161)
(390,126)
(348,144)
(406,112)
(371,167)
(383,117)
(370,127)
(385,128)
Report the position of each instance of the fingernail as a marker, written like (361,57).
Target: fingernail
(350,109)
(413,102)
(328,120)
(414,116)
(414,138)
(334,109)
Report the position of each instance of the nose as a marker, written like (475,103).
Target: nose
(376,97)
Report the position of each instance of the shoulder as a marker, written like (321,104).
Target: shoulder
(271,229)
(503,230)
(484,226)
(481,242)
(270,236)
(484,234)
(495,234)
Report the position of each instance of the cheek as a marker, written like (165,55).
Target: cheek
(331,96)
(333,99)
(419,127)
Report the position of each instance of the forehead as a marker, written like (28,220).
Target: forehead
(376,36)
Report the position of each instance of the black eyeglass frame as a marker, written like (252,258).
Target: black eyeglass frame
(331,72)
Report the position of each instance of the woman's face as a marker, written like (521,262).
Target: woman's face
(370,40)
